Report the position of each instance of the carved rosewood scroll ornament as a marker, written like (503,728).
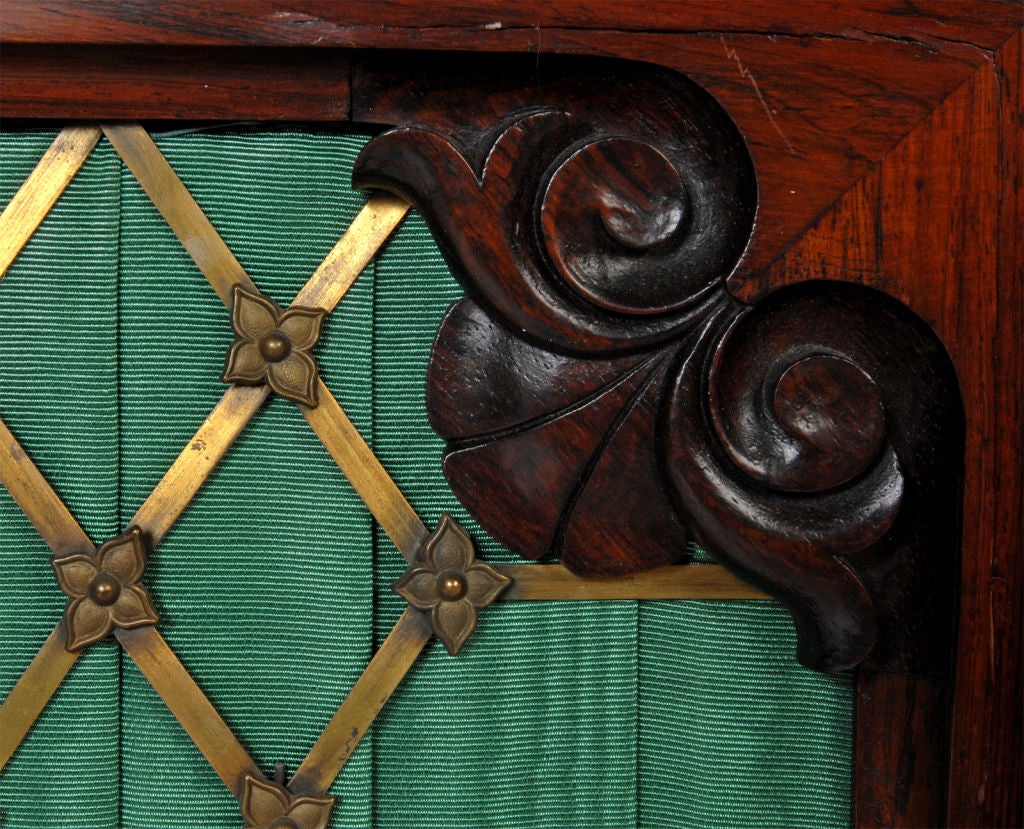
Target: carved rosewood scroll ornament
(605,399)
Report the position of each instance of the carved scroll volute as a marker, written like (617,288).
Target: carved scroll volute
(590,223)
(605,399)
(592,232)
(814,442)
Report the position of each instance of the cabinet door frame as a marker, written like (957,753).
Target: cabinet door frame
(862,121)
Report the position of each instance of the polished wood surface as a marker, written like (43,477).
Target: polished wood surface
(887,144)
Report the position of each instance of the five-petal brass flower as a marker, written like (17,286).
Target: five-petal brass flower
(272,346)
(270,806)
(447,580)
(104,591)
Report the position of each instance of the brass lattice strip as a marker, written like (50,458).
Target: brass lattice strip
(64,536)
(33,691)
(38,501)
(554,582)
(198,460)
(34,199)
(164,671)
(353,252)
(179,209)
(369,478)
(369,694)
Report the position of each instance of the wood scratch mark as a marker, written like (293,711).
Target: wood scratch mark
(996,592)
(732,54)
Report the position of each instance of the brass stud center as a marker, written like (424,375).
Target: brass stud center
(451,585)
(275,347)
(285,823)
(104,589)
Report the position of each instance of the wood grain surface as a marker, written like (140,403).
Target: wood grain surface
(887,144)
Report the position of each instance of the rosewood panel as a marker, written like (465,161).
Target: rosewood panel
(887,144)
(594,216)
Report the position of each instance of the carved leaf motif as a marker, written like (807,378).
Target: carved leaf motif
(530,429)
(603,227)
(804,438)
(603,383)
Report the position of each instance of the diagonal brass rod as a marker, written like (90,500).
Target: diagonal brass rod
(198,460)
(33,691)
(34,199)
(164,671)
(532,582)
(63,534)
(37,499)
(179,209)
(374,687)
(353,252)
(368,477)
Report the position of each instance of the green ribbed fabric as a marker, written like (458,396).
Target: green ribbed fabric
(265,584)
(534,723)
(58,395)
(274,586)
(733,731)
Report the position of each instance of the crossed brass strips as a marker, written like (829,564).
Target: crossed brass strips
(445,585)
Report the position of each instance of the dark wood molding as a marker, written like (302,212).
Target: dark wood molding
(887,147)
(606,383)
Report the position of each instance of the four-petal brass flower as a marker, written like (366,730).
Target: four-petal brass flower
(104,590)
(447,580)
(272,346)
(269,806)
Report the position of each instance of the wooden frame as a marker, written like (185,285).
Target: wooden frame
(859,122)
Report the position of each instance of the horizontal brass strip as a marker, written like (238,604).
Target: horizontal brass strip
(532,582)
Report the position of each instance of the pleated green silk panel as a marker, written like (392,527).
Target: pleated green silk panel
(58,395)
(274,586)
(265,582)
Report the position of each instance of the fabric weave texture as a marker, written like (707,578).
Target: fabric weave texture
(274,586)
